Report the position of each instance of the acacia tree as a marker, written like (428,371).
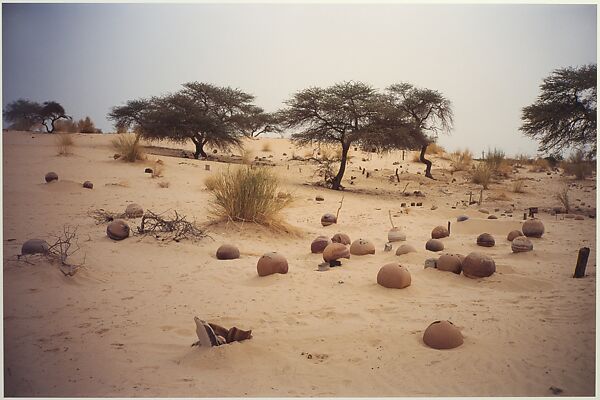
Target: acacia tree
(564,114)
(200,112)
(52,111)
(345,113)
(430,112)
(255,121)
(24,114)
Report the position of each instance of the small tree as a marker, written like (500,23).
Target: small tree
(52,111)
(255,122)
(564,114)
(86,125)
(22,114)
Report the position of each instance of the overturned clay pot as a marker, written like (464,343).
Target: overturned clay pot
(228,252)
(477,265)
(34,246)
(335,251)
(361,247)
(51,176)
(485,240)
(272,263)
(341,238)
(521,244)
(134,210)
(396,235)
(117,230)
(405,249)
(394,276)
(450,263)
(442,335)
(319,244)
(513,234)
(328,219)
(533,228)
(434,245)
(439,232)
(88,185)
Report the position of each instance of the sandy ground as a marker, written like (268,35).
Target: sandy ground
(123,325)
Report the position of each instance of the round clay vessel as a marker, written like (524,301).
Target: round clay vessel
(272,263)
(405,249)
(335,251)
(319,244)
(434,245)
(396,235)
(117,230)
(477,265)
(328,219)
(51,176)
(341,238)
(442,335)
(88,185)
(228,252)
(439,232)
(361,247)
(462,218)
(492,217)
(578,218)
(513,234)
(485,240)
(34,246)
(521,244)
(533,228)
(134,210)
(450,263)
(394,276)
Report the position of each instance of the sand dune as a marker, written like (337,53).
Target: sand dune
(123,325)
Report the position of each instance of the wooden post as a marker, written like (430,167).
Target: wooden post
(448,228)
(402,155)
(524,216)
(481,197)
(470,197)
(207,167)
(397,176)
(363,171)
(582,259)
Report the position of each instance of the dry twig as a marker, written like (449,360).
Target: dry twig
(175,229)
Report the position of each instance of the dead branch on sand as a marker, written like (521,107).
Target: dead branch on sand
(101,216)
(175,229)
(338,211)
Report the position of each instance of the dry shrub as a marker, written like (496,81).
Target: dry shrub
(416,157)
(501,196)
(246,155)
(128,146)
(158,169)
(163,184)
(539,165)
(64,142)
(266,146)
(518,186)
(210,182)
(461,160)
(522,159)
(248,195)
(435,148)
(577,165)
(482,174)
(494,159)
(563,197)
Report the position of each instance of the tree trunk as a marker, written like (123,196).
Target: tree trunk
(199,148)
(426,162)
(337,181)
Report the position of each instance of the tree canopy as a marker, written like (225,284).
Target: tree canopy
(564,114)
(201,112)
(24,114)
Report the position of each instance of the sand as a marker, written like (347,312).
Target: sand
(123,325)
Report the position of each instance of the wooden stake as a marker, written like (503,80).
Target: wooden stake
(448,228)
(338,211)
(207,167)
(390,215)
(481,197)
(397,176)
(582,259)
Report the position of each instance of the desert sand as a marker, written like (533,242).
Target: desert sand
(123,325)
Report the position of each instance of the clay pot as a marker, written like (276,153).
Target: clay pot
(439,232)
(442,335)
(492,217)
(34,246)
(88,185)
(396,235)
(434,245)
(477,265)
(462,218)
(51,176)
(450,263)
(521,244)
(335,251)
(533,228)
(513,234)
(328,219)
(134,211)
(117,230)
(485,240)
(394,276)
(341,238)
(319,244)
(228,252)
(578,218)
(361,247)
(405,249)
(272,263)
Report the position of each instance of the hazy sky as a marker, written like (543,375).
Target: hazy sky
(489,60)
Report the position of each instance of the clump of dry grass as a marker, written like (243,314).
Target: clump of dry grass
(248,195)
(210,182)
(266,146)
(518,186)
(539,165)
(500,196)
(522,159)
(563,197)
(64,142)
(163,184)
(246,155)
(128,146)
(482,174)
(461,160)
(416,156)
(577,165)
(158,169)
(435,148)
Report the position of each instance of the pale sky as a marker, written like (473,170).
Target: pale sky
(489,60)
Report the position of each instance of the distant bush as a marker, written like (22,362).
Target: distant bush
(540,165)
(435,148)
(494,159)
(563,197)
(522,159)
(266,146)
(64,142)
(128,146)
(461,160)
(577,165)
(65,125)
(86,125)
(246,155)
(518,186)
(248,195)
(482,174)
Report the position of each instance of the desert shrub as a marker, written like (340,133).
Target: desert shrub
(494,159)
(248,195)
(163,184)
(500,196)
(246,155)
(86,125)
(482,174)
(577,165)
(416,156)
(563,197)
(158,169)
(461,160)
(518,186)
(266,146)
(64,142)
(128,146)
(540,165)
(435,148)
(522,159)
(65,125)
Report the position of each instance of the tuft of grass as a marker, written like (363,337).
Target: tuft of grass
(540,165)
(416,156)
(563,197)
(461,160)
(435,148)
(248,195)
(482,174)
(577,165)
(246,155)
(523,159)
(128,146)
(494,159)
(518,186)
(164,184)
(158,169)
(500,196)
(266,146)
(64,142)
(210,182)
